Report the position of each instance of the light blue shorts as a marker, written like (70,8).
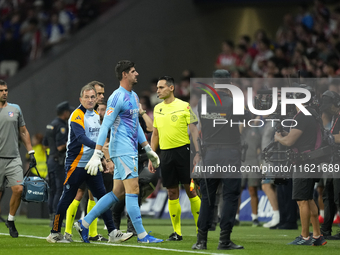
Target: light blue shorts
(126,167)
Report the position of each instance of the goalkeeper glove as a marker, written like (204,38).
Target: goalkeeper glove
(33,162)
(95,163)
(152,156)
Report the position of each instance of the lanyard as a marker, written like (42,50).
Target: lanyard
(294,119)
(335,123)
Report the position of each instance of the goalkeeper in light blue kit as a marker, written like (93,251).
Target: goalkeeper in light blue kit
(122,118)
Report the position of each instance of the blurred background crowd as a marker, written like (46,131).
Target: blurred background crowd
(31,28)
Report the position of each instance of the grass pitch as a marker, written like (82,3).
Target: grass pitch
(256,240)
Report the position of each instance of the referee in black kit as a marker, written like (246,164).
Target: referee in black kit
(222,146)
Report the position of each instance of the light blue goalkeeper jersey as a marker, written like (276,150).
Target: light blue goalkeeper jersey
(122,118)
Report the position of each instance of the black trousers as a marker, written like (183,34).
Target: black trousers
(287,206)
(331,194)
(231,190)
(56,178)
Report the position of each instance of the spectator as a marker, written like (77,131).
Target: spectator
(245,40)
(226,59)
(13,24)
(322,49)
(32,40)
(330,69)
(304,17)
(66,17)
(264,54)
(55,32)
(243,59)
(10,54)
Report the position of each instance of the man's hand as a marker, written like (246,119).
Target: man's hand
(141,111)
(277,137)
(110,166)
(95,163)
(33,162)
(196,159)
(152,156)
(151,168)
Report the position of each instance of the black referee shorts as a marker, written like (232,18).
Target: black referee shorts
(175,166)
(83,186)
(303,189)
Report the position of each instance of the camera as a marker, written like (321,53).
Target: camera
(264,101)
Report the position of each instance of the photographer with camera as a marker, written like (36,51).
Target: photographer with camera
(302,137)
(331,107)
(277,188)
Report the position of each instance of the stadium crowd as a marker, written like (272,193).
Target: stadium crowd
(31,28)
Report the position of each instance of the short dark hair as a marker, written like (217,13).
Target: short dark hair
(221,76)
(230,43)
(63,107)
(103,103)
(266,42)
(246,38)
(3,83)
(93,83)
(123,66)
(242,47)
(168,80)
(333,64)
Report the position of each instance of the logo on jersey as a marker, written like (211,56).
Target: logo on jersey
(78,118)
(10,114)
(134,111)
(91,130)
(135,169)
(63,130)
(137,100)
(160,110)
(109,111)
(174,118)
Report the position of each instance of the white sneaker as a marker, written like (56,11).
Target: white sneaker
(56,238)
(271,223)
(117,236)
(68,237)
(268,224)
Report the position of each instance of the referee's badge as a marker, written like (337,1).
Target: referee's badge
(63,130)
(174,118)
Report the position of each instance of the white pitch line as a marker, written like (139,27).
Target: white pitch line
(132,246)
